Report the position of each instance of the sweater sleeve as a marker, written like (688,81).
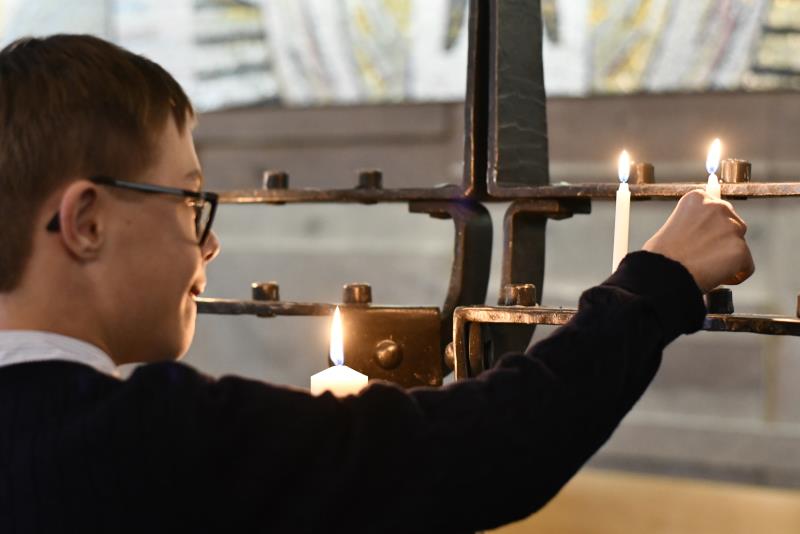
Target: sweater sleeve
(473,455)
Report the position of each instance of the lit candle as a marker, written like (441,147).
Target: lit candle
(622,217)
(712,164)
(339,379)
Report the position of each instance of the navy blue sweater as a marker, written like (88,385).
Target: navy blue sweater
(171,450)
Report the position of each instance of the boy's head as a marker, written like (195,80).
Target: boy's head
(121,267)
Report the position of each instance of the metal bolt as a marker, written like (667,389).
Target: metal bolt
(450,355)
(720,301)
(357,294)
(269,291)
(735,171)
(275,180)
(642,173)
(370,179)
(388,353)
(518,295)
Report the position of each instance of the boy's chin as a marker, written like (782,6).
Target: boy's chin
(174,349)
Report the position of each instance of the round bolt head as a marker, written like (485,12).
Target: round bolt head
(357,294)
(269,291)
(388,354)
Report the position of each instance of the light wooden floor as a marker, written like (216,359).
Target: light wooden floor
(606,502)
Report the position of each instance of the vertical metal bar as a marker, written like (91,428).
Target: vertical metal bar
(523,263)
(517,129)
(517,147)
(476,104)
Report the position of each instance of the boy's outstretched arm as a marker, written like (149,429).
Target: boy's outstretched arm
(473,455)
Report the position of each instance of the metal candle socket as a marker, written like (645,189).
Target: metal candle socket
(642,173)
(735,171)
(357,294)
(518,295)
(268,291)
(720,301)
(275,180)
(370,179)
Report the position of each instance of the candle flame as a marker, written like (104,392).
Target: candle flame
(712,161)
(337,339)
(624,167)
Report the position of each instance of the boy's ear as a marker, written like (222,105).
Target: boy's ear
(81,218)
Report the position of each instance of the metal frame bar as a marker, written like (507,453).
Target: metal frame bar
(470,360)
(573,192)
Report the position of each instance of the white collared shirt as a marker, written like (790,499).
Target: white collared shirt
(22,346)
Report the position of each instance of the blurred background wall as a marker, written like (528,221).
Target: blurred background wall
(322,88)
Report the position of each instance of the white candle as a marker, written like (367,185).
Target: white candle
(712,164)
(339,379)
(622,216)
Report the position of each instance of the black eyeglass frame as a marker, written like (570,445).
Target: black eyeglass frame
(204,196)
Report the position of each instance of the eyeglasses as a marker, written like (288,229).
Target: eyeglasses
(204,203)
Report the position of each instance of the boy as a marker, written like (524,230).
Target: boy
(105,239)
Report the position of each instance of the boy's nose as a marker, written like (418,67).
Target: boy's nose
(211,247)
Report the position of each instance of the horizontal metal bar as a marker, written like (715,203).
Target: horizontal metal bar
(671,191)
(353,196)
(261,308)
(775,325)
(602,191)
(307,309)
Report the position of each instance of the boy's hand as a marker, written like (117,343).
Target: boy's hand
(707,237)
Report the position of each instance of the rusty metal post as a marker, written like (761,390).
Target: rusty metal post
(523,260)
(476,103)
(517,121)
